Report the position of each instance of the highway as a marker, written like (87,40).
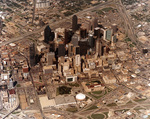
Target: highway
(28,34)
(17,105)
(129,25)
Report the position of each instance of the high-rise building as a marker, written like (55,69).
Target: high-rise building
(99,47)
(77,60)
(83,32)
(70,49)
(114,28)
(61,49)
(32,54)
(74,23)
(91,40)
(75,39)
(109,34)
(50,57)
(76,50)
(94,23)
(83,46)
(66,36)
(97,32)
(48,34)
(42,3)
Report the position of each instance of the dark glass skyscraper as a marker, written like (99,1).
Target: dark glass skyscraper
(74,23)
(61,50)
(32,54)
(48,34)
(83,47)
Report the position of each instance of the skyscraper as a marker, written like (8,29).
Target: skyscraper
(108,34)
(98,47)
(61,49)
(114,28)
(97,32)
(32,54)
(94,23)
(76,50)
(74,23)
(70,50)
(83,32)
(48,34)
(91,40)
(75,39)
(50,57)
(66,36)
(83,46)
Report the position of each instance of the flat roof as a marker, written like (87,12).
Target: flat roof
(45,102)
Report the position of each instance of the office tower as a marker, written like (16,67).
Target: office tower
(83,32)
(114,28)
(50,57)
(100,25)
(52,46)
(10,84)
(1,26)
(75,39)
(91,40)
(77,60)
(76,50)
(108,34)
(56,35)
(32,54)
(97,32)
(74,23)
(48,34)
(83,46)
(61,49)
(98,47)
(94,23)
(114,38)
(42,3)
(70,49)
(66,36)
(25,69)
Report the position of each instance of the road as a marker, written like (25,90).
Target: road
(17,99)
(129,25)
(54,23)
(37,98)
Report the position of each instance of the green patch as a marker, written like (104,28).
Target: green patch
(138,108)
(15,112)
(127,39)
(100,12)
(97,92)
(72,109)
(63,90)
(97,97)
(106,114)
(93,107)
(74,84)
(18,85)
(89,117)
(131,45)
(129,102)
(139,100)
(68,13)
(107,9)
(111,104)
(97,116)
(124,110)
(134,43)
